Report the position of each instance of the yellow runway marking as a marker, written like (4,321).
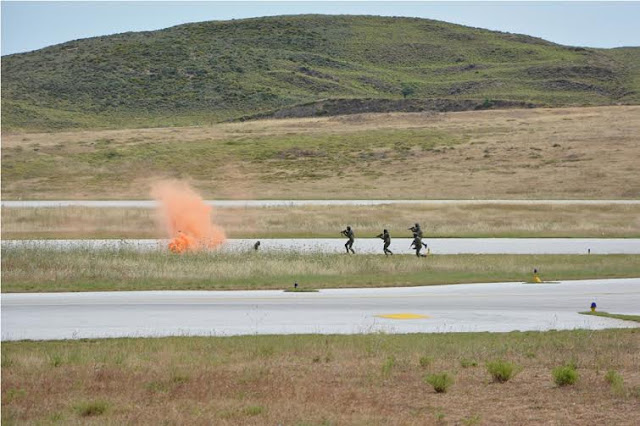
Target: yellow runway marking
(403,316)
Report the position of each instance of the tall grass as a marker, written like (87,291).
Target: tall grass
(443,220)
(83,269)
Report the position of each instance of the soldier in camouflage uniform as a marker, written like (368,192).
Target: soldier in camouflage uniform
(387,241)
(417,244)
(416,230)
(349,234)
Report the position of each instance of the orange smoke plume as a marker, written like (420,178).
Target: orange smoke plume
(187,217)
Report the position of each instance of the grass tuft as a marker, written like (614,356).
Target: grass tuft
(253,410)
(387,365)
(466,363)
(425,361)
(441,382)
(92,408)
(616,382)
(501,371)
(565,375)
(55,360)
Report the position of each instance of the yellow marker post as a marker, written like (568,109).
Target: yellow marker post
(536,278)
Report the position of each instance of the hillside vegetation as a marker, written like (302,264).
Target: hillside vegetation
(300,66)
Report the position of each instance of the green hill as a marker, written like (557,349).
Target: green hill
(302,65)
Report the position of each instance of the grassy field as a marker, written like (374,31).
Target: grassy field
(572,153)
(444,220)
(39,270)
(303,380)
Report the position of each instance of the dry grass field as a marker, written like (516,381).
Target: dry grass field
(323,380)
(573,153)
(444,220)
(50,270)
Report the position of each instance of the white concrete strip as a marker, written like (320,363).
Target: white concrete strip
(496,307)
(370,245)
(295,203)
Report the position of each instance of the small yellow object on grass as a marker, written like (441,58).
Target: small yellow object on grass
(536,278)
(403,316)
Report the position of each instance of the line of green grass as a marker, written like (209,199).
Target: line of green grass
(48,270)
(635,318)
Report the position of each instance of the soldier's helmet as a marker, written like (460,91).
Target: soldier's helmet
(417,225)
(385,231)
(348,228)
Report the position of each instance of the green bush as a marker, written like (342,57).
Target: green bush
(565,375)
(441,382)
(501,371)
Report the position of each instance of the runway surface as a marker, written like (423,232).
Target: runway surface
(497,307)
(294,203)
(371,245)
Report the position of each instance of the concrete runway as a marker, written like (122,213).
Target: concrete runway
(294,203)
(370,245)
(497,307)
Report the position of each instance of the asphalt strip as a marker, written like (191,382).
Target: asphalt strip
(493,307)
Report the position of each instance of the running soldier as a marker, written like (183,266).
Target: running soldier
(417,245)
(349,234)
(387,240)
(416,230)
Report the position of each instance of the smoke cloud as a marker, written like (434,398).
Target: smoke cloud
(187,218)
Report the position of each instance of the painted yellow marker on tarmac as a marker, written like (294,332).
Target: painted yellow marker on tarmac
(403,316)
